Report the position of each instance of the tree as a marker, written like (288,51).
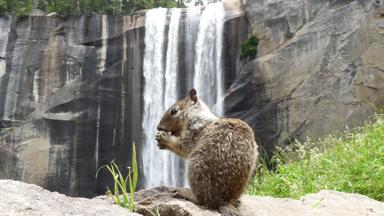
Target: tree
(168,3)
(3,6)
(86,7)
(63,7)
(16,7)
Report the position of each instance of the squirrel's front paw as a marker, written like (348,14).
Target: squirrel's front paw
(162,138)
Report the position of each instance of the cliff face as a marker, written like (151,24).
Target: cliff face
(320,69)
(71,95)
(68,102)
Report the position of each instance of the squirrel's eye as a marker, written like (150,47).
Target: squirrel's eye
(174,111)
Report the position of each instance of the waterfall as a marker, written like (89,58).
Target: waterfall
(208,79)
(171,161)
(153,159)
(162,78)
(191,28)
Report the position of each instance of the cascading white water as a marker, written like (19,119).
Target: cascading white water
(192,19)
(161,78)
(160,83)
(155,21)
(171,161)
(208,78)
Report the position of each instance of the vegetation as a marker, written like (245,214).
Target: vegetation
(249,47)
(120,194)
(84,7)
(354,163)
(17,7)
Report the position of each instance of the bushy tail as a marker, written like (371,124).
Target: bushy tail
(229,210)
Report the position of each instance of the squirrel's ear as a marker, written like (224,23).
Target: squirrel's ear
(193,95)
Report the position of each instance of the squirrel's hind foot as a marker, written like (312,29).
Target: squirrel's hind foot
(185,193)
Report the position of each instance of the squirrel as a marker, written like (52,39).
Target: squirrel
(221,153)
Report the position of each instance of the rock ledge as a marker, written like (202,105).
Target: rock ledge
(325,203)
(18,199)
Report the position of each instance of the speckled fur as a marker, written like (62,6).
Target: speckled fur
(221,153)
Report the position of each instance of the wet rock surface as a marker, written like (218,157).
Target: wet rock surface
(67,102)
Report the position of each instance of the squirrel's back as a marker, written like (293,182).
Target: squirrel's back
(222,162)
(221,152)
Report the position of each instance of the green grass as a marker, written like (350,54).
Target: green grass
(352,163)
(120,194)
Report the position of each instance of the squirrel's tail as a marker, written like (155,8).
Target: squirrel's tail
(229,210)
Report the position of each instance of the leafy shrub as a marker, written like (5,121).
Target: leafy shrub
(3,6)
(249,47)
(353,163)
(84,7)
(16,7)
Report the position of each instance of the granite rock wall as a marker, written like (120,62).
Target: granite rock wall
(319,69)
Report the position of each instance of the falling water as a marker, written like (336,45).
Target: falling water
(171,161)
(203,38)
(153,162)
(191,28)
(208,79)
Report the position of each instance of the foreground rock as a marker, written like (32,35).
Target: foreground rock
(71,88)
(17,198)
(326,203)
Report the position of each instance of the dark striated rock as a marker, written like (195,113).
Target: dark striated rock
(319,69)
(69,102)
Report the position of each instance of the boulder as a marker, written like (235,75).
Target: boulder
(19,199)
(325,203)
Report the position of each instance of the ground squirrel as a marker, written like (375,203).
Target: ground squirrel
(221,153)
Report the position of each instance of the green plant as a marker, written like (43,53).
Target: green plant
(16,7)
(84,7)
(289,35)
(249,47)
(351,163)
(119,193)
(3,6)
